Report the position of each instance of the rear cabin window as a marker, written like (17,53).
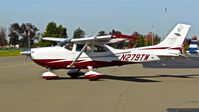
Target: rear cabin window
(99,49)
(79,47)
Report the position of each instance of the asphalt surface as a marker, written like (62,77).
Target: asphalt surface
(124,89)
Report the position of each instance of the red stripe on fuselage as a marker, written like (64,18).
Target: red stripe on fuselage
(155,48)
(45,62)
(78,64)
(177,48)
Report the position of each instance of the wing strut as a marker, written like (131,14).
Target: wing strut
(75,60)
(83,49)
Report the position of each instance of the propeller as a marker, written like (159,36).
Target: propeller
(26,59)
(27,54)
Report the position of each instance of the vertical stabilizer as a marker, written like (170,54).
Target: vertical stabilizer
(176,37)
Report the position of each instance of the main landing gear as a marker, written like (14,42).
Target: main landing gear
(92,75)
(75,73)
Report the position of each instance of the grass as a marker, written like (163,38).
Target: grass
(10,52)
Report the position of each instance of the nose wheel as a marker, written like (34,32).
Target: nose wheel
(49,75)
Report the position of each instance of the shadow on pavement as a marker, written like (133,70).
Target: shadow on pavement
(142,79)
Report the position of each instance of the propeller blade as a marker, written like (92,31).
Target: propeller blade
(26,59)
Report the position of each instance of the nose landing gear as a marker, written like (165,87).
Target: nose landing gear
(49,75)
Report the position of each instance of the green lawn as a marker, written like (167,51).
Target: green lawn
(10,52)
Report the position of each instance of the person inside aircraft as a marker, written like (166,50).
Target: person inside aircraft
(68,46)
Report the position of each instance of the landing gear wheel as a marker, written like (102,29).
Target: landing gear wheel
(92,75)
(49,75)
(75,73)
(74,76)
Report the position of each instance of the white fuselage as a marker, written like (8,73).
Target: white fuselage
(60,58)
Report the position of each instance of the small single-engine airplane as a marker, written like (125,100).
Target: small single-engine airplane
(193,47)
(93,52)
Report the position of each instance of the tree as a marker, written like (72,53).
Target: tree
(78,33)
(132,40)
(14,39)
(3,41)
(157,39)
(56,31)
(13,34)
(26,31)
(115,32)
(61,31)
(52,30)
(102,33)
(148,39)
(140,41)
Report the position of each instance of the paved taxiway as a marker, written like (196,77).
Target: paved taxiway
(125,89)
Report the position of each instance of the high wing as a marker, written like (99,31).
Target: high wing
(56,39)
(77,40)
(99,39)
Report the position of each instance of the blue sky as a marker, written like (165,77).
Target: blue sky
(96,15)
